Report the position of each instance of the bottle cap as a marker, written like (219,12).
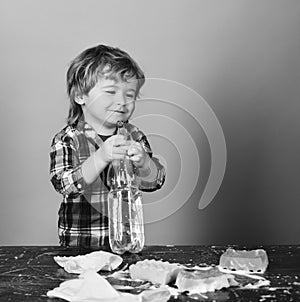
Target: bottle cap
(120,124)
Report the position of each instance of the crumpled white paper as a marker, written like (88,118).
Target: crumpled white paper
(95,261)
(91,287)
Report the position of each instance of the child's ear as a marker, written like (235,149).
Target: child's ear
(79,100)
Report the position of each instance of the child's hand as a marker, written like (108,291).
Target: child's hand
(114,147)
(138,155)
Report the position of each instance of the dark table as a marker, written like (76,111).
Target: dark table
(27,273)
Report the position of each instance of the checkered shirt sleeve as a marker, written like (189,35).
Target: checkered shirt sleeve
(65,168)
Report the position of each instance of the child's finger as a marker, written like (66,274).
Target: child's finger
(132,143)
(135,158)
(119,140)
(123,150)
(134,148)
(119,156)
(132,151)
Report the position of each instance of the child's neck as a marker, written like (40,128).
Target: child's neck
(100,128)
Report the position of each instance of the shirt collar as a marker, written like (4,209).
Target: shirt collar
(89,132)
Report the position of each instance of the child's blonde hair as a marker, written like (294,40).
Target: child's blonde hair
(92,64)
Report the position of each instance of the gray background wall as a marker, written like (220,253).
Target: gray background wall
(242,57)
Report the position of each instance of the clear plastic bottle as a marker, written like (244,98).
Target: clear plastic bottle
(126,225)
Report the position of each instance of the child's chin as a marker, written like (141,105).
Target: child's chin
(113,122)
(117,119)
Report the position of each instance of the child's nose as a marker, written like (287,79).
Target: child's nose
(121,100)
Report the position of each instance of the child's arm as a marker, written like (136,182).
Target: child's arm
(65,168)
(152,176)
(113,148)
(151,170)
(71,177)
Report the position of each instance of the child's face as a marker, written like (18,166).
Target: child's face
(110,100)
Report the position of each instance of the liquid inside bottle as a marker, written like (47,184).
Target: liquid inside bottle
(126,232)
(126,225)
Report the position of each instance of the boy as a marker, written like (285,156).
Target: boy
(102,83)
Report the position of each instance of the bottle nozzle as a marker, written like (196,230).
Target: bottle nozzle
(120,124)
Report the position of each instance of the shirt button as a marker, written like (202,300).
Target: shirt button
(79,186)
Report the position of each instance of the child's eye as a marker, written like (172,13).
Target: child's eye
(110,91)
(130,96)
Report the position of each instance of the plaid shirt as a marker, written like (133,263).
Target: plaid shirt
(83,212)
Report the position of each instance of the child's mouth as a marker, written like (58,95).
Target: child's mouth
(118,111)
